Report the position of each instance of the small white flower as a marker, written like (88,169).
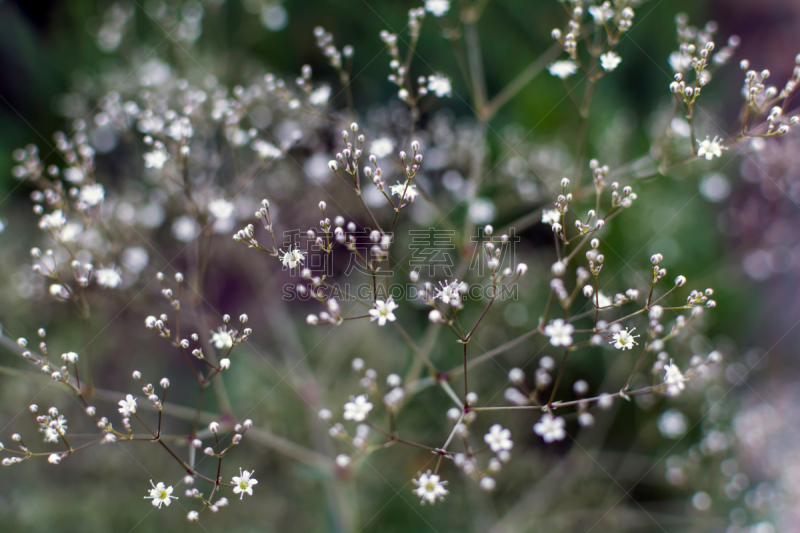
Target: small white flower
(54,459)
(381,147)
(440,85)
(160,494)
(108,277)
(601,14)
(222,339)
(551,216)
(680,61)
(430,488)
(221,208)
(193,516)
(127,406)
(610,60)
(498,439)
(244,483)
(673,379)
(560,332)
(710,148)
(293,258)
(438,8)
(563,69)
(266,150)
(408,193)
(450,293)
(550,428)
(357,409)
(92,195)
(624,340)
(53,221)
(155,159)
(383,311)
(320,96)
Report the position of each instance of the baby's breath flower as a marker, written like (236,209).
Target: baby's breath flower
(563,69)
(155,159)
(440,85)
(560,332)
(53,221)
(498,438)
(92,195)
(710,148)
(407,192)
(383,311)
(357,408)
(244,483)
(320,96)
(438,8)
(550,428)
(624,340)
(221,338)
(673,379)
(430,488)
(293,258)
(127,407)
(160,494)
(610,60)
(108,277)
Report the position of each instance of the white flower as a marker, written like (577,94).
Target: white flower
(53,221)
(438,8)
(127,406)
(430,488)
(610,60)
(320,96)
(451,292)
(92,195)
(292,258)
(440,85)
(551,216)
(220,208)
(673,379)
(357,409)
(50,433)
(108,277)
(549,428)
(624,340)
(710,148)
(408,193)
(560,332)
(54,459)
(383,311)
(155,159)
(160,494)
(498,439)
(563,69)
(222,339)
(266,150)
(244,483)
(601,300)
(381,147)
(680,61)
(601,14)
